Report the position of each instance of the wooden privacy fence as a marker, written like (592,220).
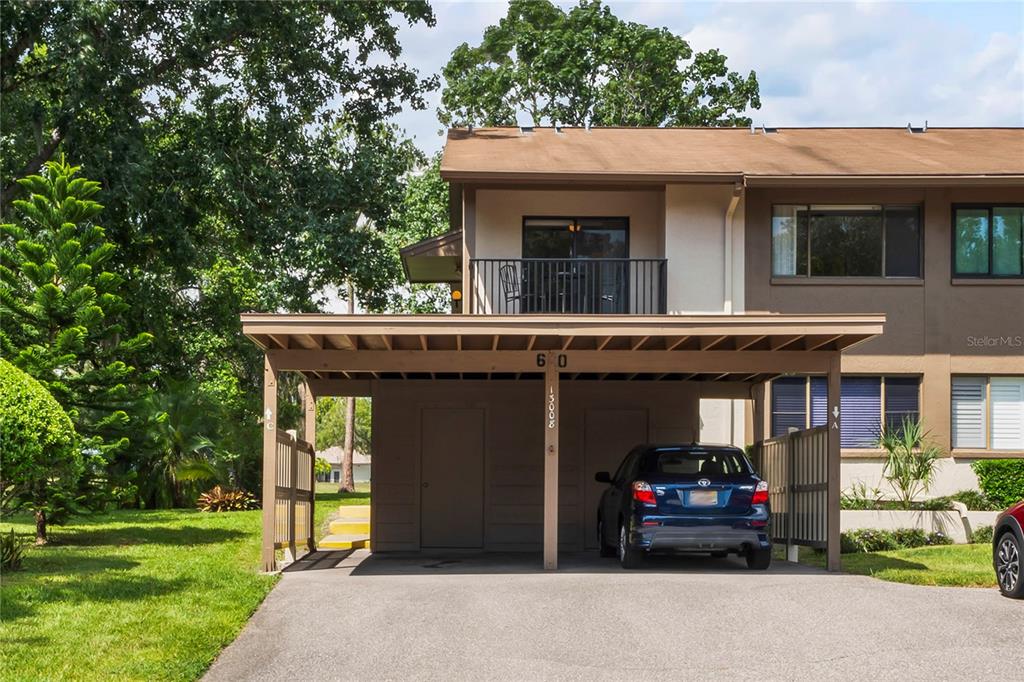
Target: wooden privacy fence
(293,498)
(796,468)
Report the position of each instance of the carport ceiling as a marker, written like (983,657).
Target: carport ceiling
(749,347)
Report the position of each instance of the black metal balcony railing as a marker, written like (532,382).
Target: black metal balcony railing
(511,286)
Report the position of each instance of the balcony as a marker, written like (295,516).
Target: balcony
(611,286)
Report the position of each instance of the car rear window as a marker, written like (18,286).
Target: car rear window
(690,461)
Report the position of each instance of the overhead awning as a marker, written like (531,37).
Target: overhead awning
(731,354)
(434,260)
(747,348)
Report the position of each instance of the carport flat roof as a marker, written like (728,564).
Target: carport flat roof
(748,347)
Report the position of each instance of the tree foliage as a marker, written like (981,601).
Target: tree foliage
(422,213)
(330,423)
(61,307)
(40,457)
(176,453)
(244,157)
(322,467)
(587,66)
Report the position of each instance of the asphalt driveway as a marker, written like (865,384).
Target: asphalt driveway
(357,617)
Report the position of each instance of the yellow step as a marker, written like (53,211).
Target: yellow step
(343,527)
(340,541)
(354,511)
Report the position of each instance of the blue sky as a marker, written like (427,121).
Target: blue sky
(828,64)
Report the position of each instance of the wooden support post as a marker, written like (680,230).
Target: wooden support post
(551,424)
(308,415)
(293,497)
(792,549)
(758,395)
(269,462)
(309,435)
(834,461)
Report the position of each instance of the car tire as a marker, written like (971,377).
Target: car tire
(759,559)
(1007,562)
(607,551)
(630,557)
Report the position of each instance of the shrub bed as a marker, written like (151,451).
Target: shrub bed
(981,535)
(877,540)
(975,500)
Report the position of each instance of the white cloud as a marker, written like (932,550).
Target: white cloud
(863,63)
(870,64)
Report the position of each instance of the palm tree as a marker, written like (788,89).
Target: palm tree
(180,451)
(911,459)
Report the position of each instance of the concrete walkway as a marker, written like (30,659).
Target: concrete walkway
(356,617)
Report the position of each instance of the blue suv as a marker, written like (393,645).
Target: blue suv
(684,498)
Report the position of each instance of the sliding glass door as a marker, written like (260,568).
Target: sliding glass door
(575,265)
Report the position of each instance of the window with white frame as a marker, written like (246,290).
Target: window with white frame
(988,413)
(865,403)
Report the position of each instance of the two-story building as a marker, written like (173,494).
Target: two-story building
(617,285)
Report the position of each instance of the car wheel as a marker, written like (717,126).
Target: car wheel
(629,556)
(1007,564)
(606,549)
(759,559)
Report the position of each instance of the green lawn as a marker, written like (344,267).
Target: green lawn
(947,565)
(142,595)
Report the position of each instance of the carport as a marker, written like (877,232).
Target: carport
(728,356)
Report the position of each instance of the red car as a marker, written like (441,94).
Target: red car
(1007,547)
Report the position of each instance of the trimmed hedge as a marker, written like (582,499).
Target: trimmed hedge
(1002,480)
(877,540)
(40,453)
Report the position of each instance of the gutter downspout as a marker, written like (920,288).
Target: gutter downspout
(734,200)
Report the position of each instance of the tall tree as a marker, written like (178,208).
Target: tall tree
(348,483)
(588,67)
(62,308)
(242,150)
(330,423)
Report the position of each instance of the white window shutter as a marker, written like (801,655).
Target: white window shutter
(1007,413)
(968,412)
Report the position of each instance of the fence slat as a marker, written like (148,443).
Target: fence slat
(795,467)
(294,496)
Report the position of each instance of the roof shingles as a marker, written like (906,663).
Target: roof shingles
(666,152)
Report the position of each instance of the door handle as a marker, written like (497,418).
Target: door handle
(425,484)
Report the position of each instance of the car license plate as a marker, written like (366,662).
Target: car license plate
(703,498)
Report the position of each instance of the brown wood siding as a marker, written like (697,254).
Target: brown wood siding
(513,452)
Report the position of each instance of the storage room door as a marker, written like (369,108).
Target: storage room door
(452,478)
(608,437)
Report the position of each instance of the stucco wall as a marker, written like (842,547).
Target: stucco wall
(497,227)
(930,322)
(722,421)
(695,248)
(952,475)
(500,212)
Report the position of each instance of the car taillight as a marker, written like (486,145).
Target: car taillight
(642,492)
(760,493)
